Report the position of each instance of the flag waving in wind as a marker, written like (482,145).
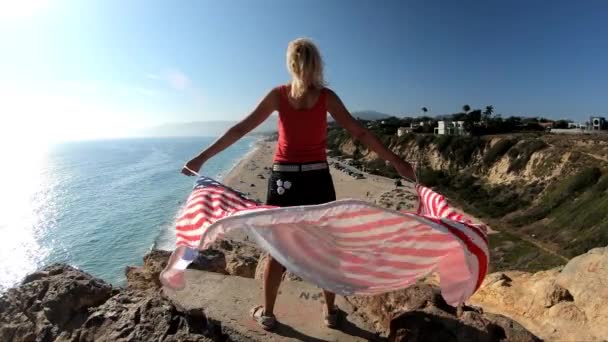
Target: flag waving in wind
(347,246)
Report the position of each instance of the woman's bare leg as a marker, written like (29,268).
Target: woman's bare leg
(272,280)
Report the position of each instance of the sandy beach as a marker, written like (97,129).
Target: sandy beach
(250,176)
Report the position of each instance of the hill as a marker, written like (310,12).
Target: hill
(217,127)
(546,194)
(202,128)
(370,115)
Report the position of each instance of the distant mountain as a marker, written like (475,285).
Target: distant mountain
(215,128)
(370,115)
(202,128)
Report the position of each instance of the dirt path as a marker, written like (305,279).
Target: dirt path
(538,244)
(592,155)
(595,156)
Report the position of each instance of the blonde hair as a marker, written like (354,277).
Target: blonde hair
(305,65)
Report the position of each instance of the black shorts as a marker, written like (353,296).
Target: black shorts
(288,189)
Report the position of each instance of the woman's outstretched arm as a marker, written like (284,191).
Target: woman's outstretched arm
(268,105)
(343,117)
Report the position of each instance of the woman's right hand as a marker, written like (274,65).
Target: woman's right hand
(194,165)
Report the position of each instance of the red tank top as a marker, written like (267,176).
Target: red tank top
(302,133)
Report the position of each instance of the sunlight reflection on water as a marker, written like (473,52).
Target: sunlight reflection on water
(26,212)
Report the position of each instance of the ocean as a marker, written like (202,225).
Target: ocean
(97,205)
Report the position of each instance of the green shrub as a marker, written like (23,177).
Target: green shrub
(458,149)
(443,143)
(562,191)
(423,140)
(432,178)
(336,137)
(521,153)
(497,151)
(379,167)
(406,138)
(558,194)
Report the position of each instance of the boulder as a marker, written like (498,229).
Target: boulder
(586,280)
(142,316)
(147,276)
(61,303)
(419,313)
(226,257)
(564,303)
(49,302)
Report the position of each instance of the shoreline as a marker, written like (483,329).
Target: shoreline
(250,176)
(254,146)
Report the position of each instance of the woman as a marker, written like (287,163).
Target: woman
(300,173)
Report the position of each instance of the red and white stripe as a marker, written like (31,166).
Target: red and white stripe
(349,246)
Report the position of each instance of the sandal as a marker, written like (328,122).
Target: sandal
(267,322)
(331,318)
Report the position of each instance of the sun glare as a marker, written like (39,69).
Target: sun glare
(20,8)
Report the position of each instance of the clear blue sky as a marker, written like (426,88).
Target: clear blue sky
(109,66)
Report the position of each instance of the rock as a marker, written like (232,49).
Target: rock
(419,313)
(50,301)
(498,279)
(252,185)
(556,294)
(225,257)
(211,260)
(566,303)
(60,303)
(261,176)
(146,276)
(585,278)
(426,325)
(229,257)
(243,267)
(137,278)
(34,276)
(143,316)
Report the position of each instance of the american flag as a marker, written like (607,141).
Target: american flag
(347,246)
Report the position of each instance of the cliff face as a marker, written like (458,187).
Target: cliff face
(547,192)
(60,303)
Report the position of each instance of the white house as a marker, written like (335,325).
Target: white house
(575,125)
(450,128)
(597,123)
(404,130)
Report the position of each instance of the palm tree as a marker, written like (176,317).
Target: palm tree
(487,114)
(489,111)
(466,108)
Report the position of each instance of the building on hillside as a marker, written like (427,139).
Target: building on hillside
(546,125)
(575,125)
(450,128)
(597,123)
(404,130)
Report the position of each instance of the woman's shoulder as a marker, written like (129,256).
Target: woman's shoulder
(328,90)
(280,90)
(330,94)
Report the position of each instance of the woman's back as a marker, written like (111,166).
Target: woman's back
(302,127)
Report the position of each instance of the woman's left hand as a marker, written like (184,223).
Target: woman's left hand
(405,170)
